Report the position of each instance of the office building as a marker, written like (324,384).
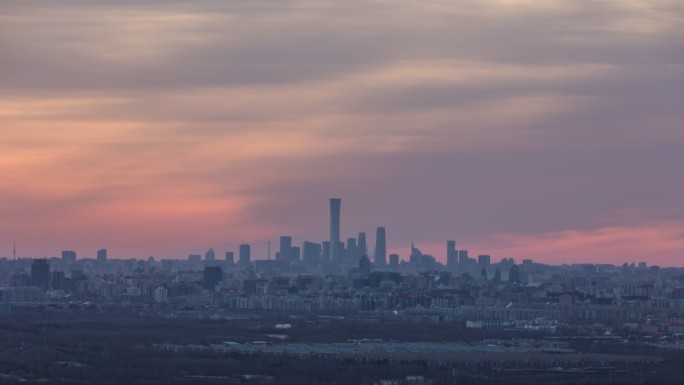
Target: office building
(311,253)
(352,252)
(295,254)
(483,260)
(361,244)
(380,247)
(285,248)
(230,258)
(212,276)
(394,261)
(102,255)
(210,256)
(335,204)
(245,255)
(69,256)
(452,255)
(463,257)
(40,274)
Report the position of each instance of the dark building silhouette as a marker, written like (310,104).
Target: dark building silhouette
(335,204)
(295,253)
(514,274)
(212,276)
(40,274)
(483,260)
(380,247)
(452,255)
(230,258)
(58,281)
(195,258)
(394,261)
(463,257)
(311,253)
(352,250)
(245,255)
(285,249)
(364,265)
(361,244)
(69,256)
(325,247)
(210,255)
(102,255)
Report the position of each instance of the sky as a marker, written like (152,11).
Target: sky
(543,129)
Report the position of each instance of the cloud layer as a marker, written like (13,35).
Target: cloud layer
(163,128)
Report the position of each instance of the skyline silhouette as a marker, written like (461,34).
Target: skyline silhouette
(347,253)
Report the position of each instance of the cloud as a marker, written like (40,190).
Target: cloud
(206,123)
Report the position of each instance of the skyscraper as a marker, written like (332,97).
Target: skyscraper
(230,258)
(102,255)
(311,253)
(352,255)
(40,274)
(211,277)
(452,255)
(363,249)
(245,251)
(335,204)
(69,256)
(285,248)
(394,261)
(463,259)
(210,255)
(380,247)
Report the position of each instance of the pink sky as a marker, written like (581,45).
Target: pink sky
(549,130)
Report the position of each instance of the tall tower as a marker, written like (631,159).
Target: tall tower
(452,255)
(244,256)
(380,247)
(363,249)
(285,248)
(334,229)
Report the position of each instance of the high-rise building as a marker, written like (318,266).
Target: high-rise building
(394,261)
(230,258)
(212,276)
(483,260)
(325,251)
(210,255)
(463,257)
(69,256)
(352,253)
(40,274)
(245,255)
(295,253)
(335,204)
(452,255)
(194,258)
(361,244)
(285,248)
(380,247)
(102,255)
(311,253)
(364,265)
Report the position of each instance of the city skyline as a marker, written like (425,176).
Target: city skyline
(450,255)
(547,130)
